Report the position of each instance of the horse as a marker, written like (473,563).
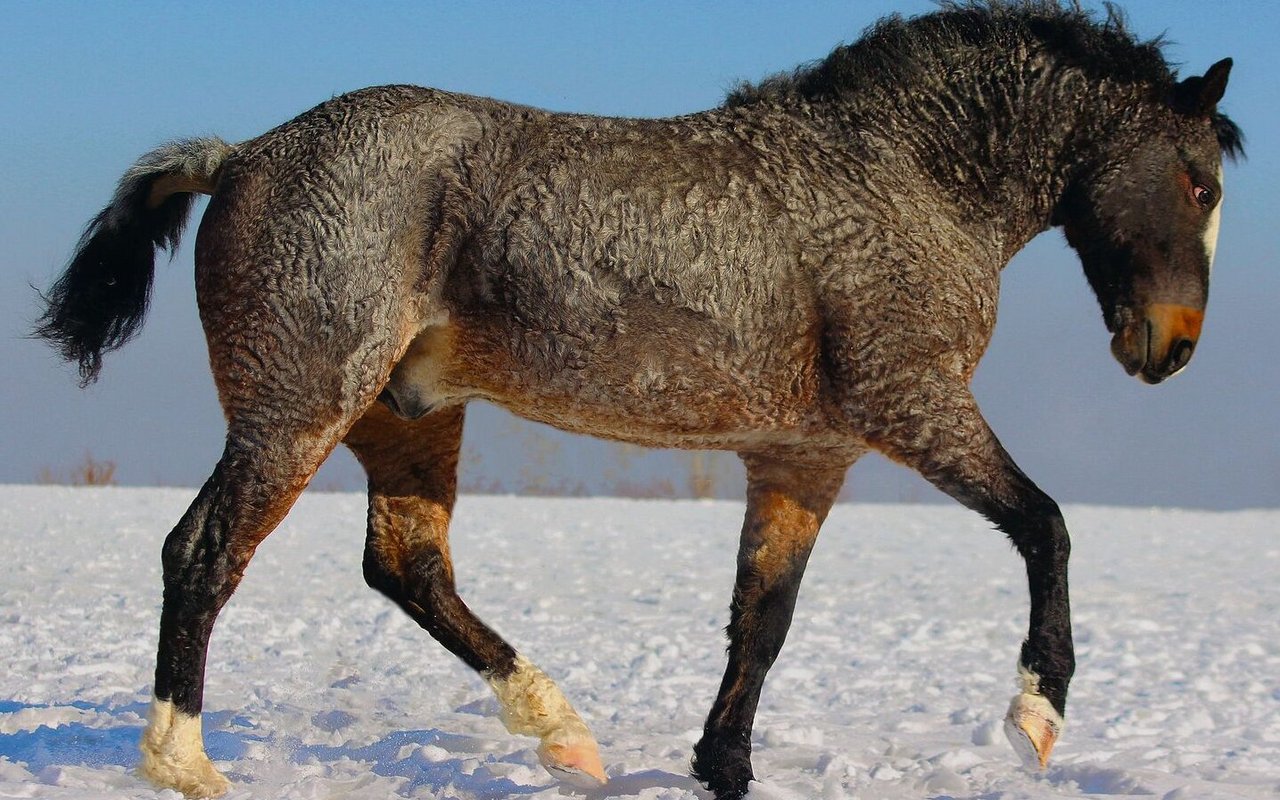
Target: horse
(802,275)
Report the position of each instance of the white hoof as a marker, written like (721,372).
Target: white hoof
(532,705)
(576,763)
(173,754)
(1032,727)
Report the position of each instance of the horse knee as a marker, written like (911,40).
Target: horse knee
(1037,529)
(237,507)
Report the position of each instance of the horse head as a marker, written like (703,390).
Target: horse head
(1143,217)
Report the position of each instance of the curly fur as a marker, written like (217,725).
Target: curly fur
(806,273)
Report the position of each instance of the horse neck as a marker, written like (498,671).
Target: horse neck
(997,141)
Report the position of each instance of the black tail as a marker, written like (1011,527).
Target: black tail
(101,299)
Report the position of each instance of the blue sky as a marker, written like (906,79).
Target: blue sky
(89,87)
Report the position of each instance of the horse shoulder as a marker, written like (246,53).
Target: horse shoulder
(909,307)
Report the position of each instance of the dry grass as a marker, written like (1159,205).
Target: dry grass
(702,477)
(89,472)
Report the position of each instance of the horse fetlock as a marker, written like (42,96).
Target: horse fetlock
(1032,724)
(173,755)
(1047,671)
(532,705)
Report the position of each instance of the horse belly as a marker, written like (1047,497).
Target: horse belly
(660,386)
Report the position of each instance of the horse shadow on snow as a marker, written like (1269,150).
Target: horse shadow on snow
(427,759)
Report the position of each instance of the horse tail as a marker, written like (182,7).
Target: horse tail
(101,298)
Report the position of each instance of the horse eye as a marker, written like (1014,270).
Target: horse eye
(1202,194)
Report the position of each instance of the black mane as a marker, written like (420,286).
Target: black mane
(1230,137)
(896,47)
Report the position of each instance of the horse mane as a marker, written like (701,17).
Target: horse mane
(898,50)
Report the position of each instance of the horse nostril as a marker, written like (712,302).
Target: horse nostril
(1180,354)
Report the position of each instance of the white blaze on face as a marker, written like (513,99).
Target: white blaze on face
(1211,230)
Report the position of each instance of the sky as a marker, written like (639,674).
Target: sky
(90,87)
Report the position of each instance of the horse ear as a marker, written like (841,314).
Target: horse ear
(1199,95)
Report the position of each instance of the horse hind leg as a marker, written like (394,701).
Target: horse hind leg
(412,469)
(251,489)
(289,395)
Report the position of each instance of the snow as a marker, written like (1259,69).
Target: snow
(899,667)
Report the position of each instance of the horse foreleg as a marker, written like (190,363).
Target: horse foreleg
(412,468)
(945,438)
(786,504)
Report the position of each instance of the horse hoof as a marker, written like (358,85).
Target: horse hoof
(193,776)
(173,754)
(203,782)
(576,764)
(1032,727)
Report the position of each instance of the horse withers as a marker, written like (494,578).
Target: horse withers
(801,275)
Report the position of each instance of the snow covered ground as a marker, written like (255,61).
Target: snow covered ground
(892,685)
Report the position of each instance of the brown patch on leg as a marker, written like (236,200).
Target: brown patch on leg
(786,504)
(412,468)
(784,513)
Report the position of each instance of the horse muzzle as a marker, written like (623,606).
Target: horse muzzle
(1158,342)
